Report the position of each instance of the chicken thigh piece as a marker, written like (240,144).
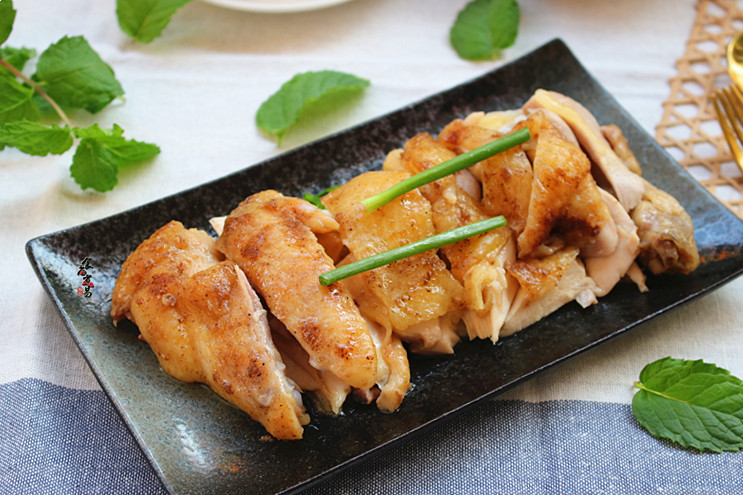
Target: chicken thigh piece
(546,285)
(272,238)
(627,186)
(206,324)
(478,262)
(564,198)
(408,293)
(666,233)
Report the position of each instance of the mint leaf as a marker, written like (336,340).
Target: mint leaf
(16,100)
(34,138)
(75,76)
(17,57)
(484,28)
(693,403)
(7,17)
(101,154)
(303,91)
(144,20)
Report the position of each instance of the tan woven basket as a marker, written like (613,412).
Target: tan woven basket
(688,129)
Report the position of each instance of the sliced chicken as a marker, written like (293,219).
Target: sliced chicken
(666,233)
(607,270)
(328,391)
(394,381)
(206,324)
(405,293)
(619,144)
(272,238)
(564,198)
(506,177)
(546,285)
(626,185)
(478,262)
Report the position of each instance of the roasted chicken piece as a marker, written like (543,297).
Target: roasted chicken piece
(555,192)
(608,269)
(545,285)
(206,324)
(273,239)
(328,391)
(405,294)
(506,177)
(478,262)
(564,198)
(627,186)
(666,233)
(619,144)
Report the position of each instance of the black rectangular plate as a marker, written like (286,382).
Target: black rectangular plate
(198,443)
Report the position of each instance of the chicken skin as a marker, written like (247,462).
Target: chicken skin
(410,292)
(272,237)
(206,324)
(478,262)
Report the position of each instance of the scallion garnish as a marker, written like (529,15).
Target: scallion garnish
(433,242)
(459,162)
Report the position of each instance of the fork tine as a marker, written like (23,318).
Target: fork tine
(721,102)
(734,98)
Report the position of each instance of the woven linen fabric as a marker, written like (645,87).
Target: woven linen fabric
(57,440)
(519,447)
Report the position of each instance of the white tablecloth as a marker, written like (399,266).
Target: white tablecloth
(195,92)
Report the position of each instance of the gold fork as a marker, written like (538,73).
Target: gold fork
(728,101)
(728,104)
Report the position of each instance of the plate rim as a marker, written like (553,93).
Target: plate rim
(268,7)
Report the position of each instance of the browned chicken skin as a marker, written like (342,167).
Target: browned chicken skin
(271,237)
(567,240)
(410,291)
(205,324)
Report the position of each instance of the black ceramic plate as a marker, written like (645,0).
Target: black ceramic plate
(200,444)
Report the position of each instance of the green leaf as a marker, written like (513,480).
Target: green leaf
(692,403)
(101,154)
(16,100)
(17,57)
(284,108)
(34,138)
(484,28)
(315,198)
(144,20)
(75,76)
(7,17)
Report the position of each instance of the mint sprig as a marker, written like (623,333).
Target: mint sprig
(145,20)
(75,76)
(69,75)
(7,17)
(284,108)
(695,404)
(16,100)
(484,28)
(100,154)
(36,139)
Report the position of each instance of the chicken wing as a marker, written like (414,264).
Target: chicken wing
(272,238)
(206,324)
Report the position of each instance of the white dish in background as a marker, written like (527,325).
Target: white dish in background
(276,6)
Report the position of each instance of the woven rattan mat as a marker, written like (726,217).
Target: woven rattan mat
(688,129)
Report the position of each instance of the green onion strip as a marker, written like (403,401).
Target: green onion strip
(417,247)
(459,162)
